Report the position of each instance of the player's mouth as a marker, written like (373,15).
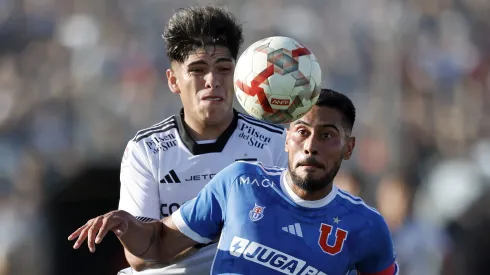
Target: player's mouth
(310,163)
(310,167)
(212,98)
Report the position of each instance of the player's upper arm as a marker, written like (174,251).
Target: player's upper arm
(139,194)
(375,249)
(202,218)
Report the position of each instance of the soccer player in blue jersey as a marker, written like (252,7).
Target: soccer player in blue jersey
(271,220)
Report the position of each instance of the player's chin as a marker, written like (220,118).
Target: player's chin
(311,169)
(215,114)
(310,172)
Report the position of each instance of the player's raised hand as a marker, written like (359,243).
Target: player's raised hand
(96,229)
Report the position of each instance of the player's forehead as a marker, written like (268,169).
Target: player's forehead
(208,55)
(319,117)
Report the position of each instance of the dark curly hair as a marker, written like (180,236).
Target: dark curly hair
(198,26)
(335,100)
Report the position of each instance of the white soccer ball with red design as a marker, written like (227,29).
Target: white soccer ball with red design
(277,79)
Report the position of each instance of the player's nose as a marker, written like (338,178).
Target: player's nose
(310,146)
(212,80)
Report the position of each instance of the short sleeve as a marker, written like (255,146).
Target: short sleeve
(139,194)
(202,218)
(377,255)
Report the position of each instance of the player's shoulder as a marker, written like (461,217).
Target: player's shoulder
(158,130)
(276,130)
(358,206)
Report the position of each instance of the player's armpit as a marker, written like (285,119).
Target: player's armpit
(391,270)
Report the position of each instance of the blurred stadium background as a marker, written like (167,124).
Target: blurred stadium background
(78,78)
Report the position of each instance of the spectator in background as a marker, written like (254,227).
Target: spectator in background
(419,246)
(349,181)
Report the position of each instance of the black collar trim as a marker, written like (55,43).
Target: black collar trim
(198,149)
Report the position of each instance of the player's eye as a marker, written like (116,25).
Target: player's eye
(327,135)
(196,70)
(224,70)
(302,132)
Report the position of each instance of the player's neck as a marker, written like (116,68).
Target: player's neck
(308,195)
(202,131)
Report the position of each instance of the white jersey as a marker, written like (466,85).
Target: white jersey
(163,167)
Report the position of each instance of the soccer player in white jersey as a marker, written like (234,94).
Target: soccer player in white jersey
(169,163)
(273,220)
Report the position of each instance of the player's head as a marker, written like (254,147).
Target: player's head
(319,141)
(202,44)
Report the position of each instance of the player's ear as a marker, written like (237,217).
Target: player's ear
(172,81)
(349,148)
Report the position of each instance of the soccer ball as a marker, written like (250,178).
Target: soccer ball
(277,80)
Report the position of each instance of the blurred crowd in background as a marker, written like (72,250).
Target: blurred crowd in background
(78,78)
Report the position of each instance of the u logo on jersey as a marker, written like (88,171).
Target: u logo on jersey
(340,236)
(256,213)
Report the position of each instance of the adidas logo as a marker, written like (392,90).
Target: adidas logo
(171,177)
(294,229)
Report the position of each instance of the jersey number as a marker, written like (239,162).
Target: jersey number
(340,236)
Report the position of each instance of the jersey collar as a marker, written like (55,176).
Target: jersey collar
(308,204)
(198,149)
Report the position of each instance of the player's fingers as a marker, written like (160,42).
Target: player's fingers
(79,230)
(76,233)
(81,237)
(92,231)
(121,229)
(108,223)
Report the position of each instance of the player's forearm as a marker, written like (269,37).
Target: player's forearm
(139,264)
(143,241)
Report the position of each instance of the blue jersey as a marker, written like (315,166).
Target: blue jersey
(265,228)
